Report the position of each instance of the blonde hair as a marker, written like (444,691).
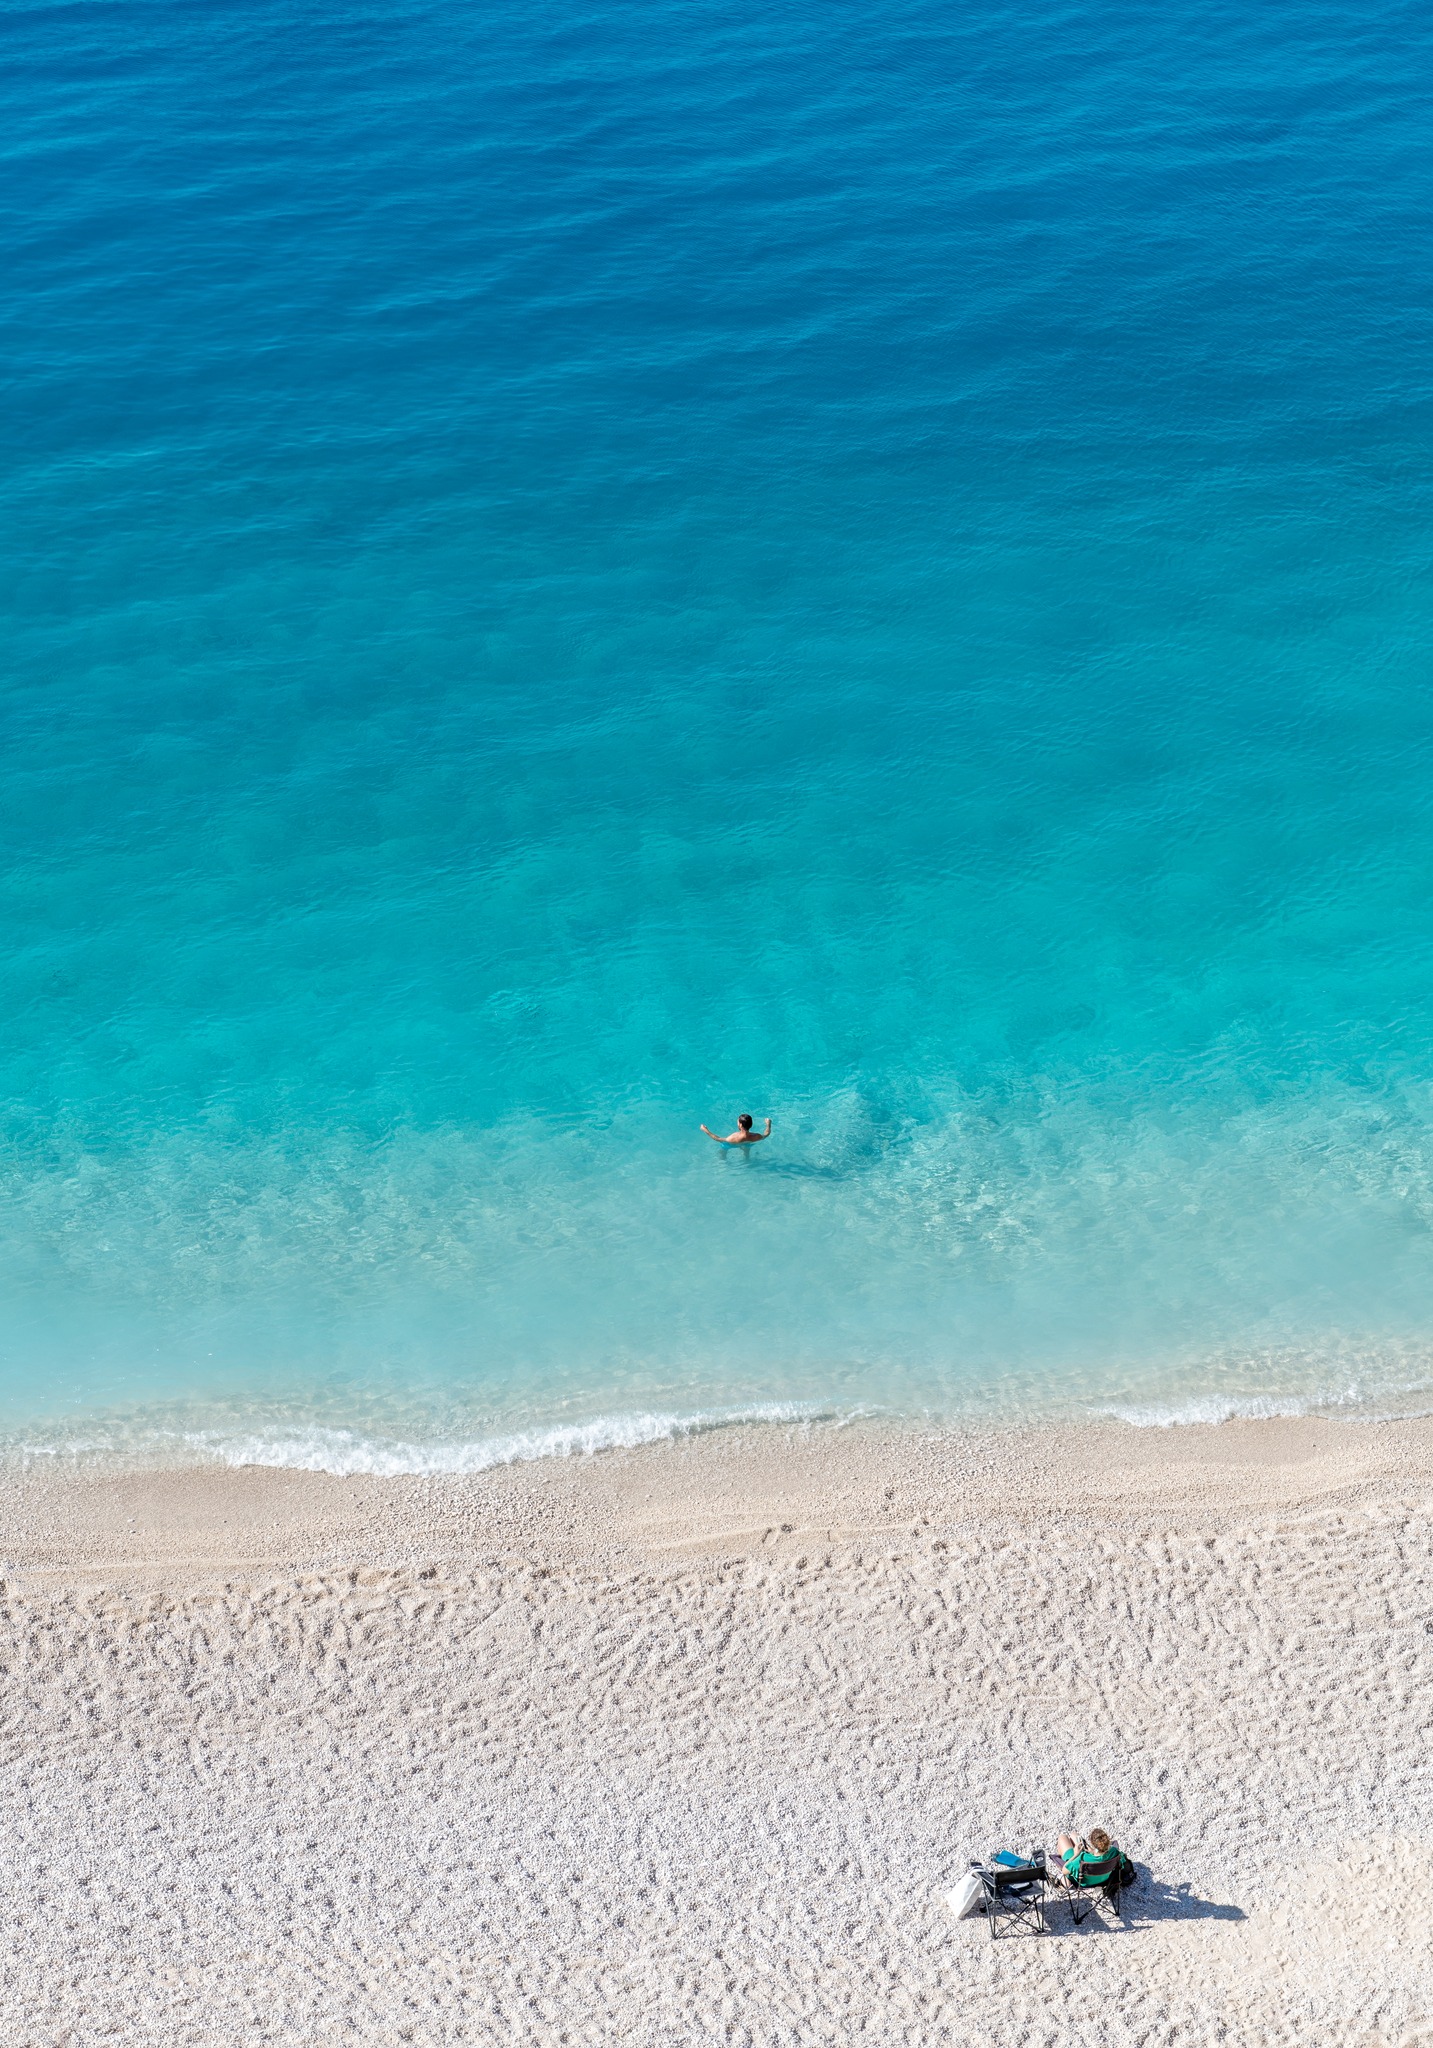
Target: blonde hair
(1099,1841)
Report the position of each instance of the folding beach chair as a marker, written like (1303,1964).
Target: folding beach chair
(1101,1883)
(1014,1889)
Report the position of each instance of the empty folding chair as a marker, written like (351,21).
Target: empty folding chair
(1014,1889)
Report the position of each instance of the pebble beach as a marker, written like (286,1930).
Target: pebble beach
(685,1744)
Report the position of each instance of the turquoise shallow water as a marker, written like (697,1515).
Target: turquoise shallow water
(574,570)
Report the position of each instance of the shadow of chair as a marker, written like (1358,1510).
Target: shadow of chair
(1147,1900)
(1159,1901)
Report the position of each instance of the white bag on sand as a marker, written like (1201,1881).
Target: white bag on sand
(967,1898)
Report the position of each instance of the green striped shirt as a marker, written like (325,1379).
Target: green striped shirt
(1083,1866)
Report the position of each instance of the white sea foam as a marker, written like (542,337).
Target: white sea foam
(1388,1389)
(1216,1408)
(346,1453)
(1356,1405)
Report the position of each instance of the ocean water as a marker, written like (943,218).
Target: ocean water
(573,569)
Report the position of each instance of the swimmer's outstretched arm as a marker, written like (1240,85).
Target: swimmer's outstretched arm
(712,1134)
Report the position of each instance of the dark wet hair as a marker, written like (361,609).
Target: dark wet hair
(743,1122)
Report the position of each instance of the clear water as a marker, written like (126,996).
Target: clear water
(574,569)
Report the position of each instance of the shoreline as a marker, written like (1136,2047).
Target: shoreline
(113,1444)
(687,1743)
(727,1491)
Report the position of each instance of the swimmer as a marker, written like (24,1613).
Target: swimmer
(743,1134)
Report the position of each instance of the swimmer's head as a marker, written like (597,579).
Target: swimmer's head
(743,1122)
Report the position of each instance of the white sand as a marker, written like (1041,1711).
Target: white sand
(681,1745)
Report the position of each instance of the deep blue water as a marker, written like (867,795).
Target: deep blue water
(571,570)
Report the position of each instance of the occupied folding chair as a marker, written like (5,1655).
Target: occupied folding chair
(1104,1878)
(1014,1888)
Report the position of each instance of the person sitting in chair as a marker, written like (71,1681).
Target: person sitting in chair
(1088,1866)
